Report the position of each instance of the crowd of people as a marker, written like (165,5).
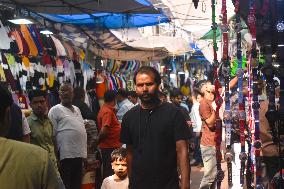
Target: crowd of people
(146,138)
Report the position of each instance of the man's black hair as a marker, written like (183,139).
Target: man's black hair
(196,92)
(149,70)
(162,93)
(36,93)
(118,154)
(200,83)
(132,94)
(122,92)
(78,93)
(175,93)
(6,100)
(109,96)
(66,83)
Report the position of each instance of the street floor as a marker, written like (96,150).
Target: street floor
(197,174)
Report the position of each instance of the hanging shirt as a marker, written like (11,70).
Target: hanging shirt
(14,34)
(60,50)
(13,44)
(101,87)
(38,36)
(35,39)
(4,38)
(26,61)
(12,64)
(69,50)
(2,74)
(52,51)
(72,72)
(23,103)
(26,50)
(29,40)
(8,74)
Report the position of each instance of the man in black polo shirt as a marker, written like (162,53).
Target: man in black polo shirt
(156,137)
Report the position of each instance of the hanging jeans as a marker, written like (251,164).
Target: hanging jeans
(210,169)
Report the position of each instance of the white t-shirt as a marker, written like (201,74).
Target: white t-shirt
(110,183)
(69,131)
(25,125)
(195,117)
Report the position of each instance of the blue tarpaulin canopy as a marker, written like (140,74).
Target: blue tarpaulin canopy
(109,20)
(111,14)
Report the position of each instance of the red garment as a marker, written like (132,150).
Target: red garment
(18,39)
(26,50)
(101,88)
(23,104)
(46,59)
(208,130)
(107,118)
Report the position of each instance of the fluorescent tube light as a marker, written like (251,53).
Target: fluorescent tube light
(46,32)
(20,21)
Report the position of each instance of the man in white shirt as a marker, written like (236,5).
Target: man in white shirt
(123,104)
(71,137)
(196,125)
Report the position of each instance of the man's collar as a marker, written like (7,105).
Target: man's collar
(34,117)
(123,102)
(109,106)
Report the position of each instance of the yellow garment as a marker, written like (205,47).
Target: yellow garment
(2,74)
(82,54)
(26,166)
(114,68)
(30,41)
(185,90)
(51,78)
(26,61)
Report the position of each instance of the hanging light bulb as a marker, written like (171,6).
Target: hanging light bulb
(195,2)
(45,31)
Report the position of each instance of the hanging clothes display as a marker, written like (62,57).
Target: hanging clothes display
(4,38)
(31,45)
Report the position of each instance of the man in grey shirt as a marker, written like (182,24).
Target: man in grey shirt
(70,135)
(123,103)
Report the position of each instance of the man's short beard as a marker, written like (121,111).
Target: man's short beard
(154,99)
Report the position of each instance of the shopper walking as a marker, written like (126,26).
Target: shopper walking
(132,97)
(156,136)
(196,126)
(40,125)
(109,130)
(123,103)
(207,144)
(70,135)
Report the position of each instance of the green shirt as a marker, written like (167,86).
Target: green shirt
(42,135)
(26,166)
